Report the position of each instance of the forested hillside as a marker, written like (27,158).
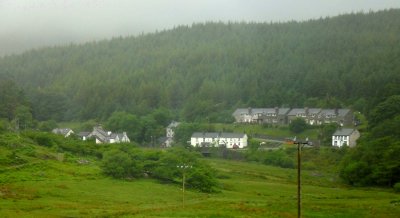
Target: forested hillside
(204,71)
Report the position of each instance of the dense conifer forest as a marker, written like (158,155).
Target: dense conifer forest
(204,71)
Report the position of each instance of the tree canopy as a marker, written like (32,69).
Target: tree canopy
(203,71)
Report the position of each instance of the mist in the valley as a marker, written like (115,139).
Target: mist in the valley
(27,24)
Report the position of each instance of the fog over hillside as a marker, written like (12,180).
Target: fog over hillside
(27,24)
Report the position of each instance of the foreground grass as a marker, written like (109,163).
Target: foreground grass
(51,188)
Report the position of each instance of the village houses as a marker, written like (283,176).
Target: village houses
(98,133)
(213,139)
(284,116)
(102,136)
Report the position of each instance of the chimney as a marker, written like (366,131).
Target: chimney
(307,110)
(276,111)
(250,110)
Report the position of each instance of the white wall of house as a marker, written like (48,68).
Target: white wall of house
(349,139)
(125,139)
(229,142)
(339,141)
(197,141)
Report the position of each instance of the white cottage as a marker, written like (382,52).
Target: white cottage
(345,137)
(213,139)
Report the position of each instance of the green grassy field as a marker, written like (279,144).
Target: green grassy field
(48,187)
(279,132)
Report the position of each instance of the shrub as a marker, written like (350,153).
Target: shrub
(43,138)
(202,179)
(298,125)
(396,187)
(117,164)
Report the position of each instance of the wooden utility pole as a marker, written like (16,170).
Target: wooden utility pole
(299,146)
(183,189)
(298,180)
(183,167)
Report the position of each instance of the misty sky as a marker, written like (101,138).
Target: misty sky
(26,24)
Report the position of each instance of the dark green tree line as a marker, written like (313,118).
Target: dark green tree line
(203,71)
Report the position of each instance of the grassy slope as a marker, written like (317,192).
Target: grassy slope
(45,187)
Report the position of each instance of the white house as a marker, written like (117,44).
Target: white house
(345,137)
(212,139)
(233,140)
(208,139)
(63,131)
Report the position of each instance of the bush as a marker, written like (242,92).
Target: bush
(396,187)
(47,125)
(355,173)
(4,125)
(43,138)
(119,164)
(202,179)
(298,125)
(124,162)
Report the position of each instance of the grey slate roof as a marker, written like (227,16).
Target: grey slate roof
(328,112)
(240,111)
(217,135)
(204,135)
(231,135)
(314,110)
(81,134)
(281,111)
(343,132)
(343,112)
(296,111)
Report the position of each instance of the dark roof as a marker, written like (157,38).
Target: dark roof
(205,135)
(343,132)
(296,111)
(328,112)
(314,110)
(217,135)
(283,111)
(291,112)
(83,134)
(343,112)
